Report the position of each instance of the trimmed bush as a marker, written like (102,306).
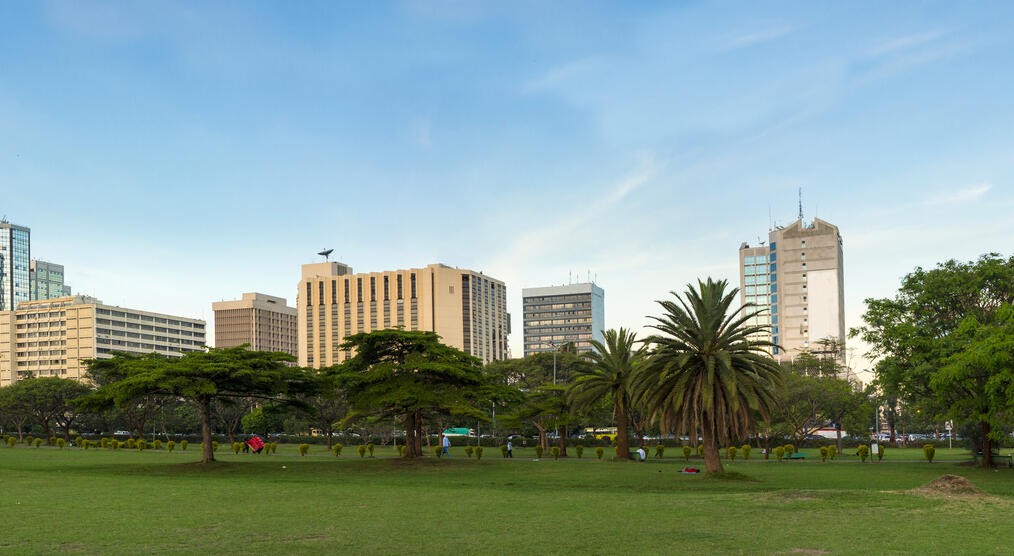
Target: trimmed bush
(599,452)
(141,445)
(11,441)
(274,447)
(731,452)
(687,452)
(304,449)
(29,439)
(928,451)
(823,453)
(478,452)
(469,450)
(555,450)
(104,442)
(438,451)
(38,442)
(864,452)
(659,451)
(170,446)
(214,445)
(362,450)
(336,448)
(538,451)
(832,452)
(78,440)
(746,451)
(370,447)
(880,452)
(158,444)
(237,447)
(779,452)
(503,450)
(115,444)
(60,443)
(700,450)
(51,441)
(401,450)
(789,450)
(131,443)
(579,449)
(183,445)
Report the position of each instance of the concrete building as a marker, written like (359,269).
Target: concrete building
(466,308)
(263,321)
(51,337)
(15,260)
(559,314)
(798,280)
(46,280)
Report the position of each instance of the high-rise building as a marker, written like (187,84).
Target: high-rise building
(557,315)
(798,280)
(263,321)
(52,337)
(466,308)
(15,260)
(46,280)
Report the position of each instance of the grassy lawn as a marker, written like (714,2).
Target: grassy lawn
(98,501)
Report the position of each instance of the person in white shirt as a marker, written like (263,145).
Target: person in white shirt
(640,453)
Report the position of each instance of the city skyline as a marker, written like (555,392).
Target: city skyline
(186,158)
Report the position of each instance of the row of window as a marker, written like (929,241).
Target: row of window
(148,318)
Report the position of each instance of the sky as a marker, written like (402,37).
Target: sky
(172,154)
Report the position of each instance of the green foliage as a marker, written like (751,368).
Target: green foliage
(478,452)
(469,450)
(438,452)
(51,441)
(789,450)
(362,450)
(503,450)
(370,447)
(336,448)
(11,441)
(157,444)
(823,453)
(274,447)
(115,444)
(183,445)
(131,443)
(928,451)
(140,444)
(746,451)
(599,452)
(731,452)
(38,442)
(555,450)
(779,452)
(538,451)
(687,452)
(304,449)
(170,446)
(832,452)
(700,450)
(60,443)
(659,451)
(579,450)
(864,452)
(104,442)
(880,452)
(401,450)
(214,445)
(237,447)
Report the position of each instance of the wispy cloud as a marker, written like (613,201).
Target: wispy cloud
(961,195)
(906,42)
(757,37)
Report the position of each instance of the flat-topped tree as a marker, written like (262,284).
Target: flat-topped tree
(202,378)
(408,374)
(44,400)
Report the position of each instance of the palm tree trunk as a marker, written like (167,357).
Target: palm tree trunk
(622,441)
(712,462)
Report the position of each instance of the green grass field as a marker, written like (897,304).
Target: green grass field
(98,501)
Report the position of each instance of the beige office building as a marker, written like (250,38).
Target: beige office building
(263,321)
(51,337)
(798,280)
(466,308)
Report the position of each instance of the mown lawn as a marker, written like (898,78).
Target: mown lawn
(98,501)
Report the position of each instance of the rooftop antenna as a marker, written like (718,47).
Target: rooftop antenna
(570,278)
(326,253)
(800,204)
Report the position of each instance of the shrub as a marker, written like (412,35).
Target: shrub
(38,442)
(158,444)
(274,447)
(141,445)
(131,443)
(183,445)
(115,444)
(29,439)
(700,450)
(928,451)
(214,445)
(832,452)
(304,449)
(864,452)
(478,452)
(11,441)
(579,449)
(362,450)
(880,452)
(687,452)
(77,440)
(555,450)
(746,451)
(731,452)
(538,451)
(789,450)
(370,447)
(59,443)
(659,450)
(779,452)
(170,446)
(337,449)
(401,450)
(237,447)
(503,450)
(823,453)
(468,450)
(438,451)
(51,441)
(104,442)
(599,452)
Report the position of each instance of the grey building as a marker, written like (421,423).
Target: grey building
(556,315)
(47,280)
(15,260)
(797,280)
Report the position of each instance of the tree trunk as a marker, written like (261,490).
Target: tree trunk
(767,446)
(837,432)
(987,447)
(329,439)
(418,432)
(712,462)
(204,408)
(622,441)
(410,438)
(562,440)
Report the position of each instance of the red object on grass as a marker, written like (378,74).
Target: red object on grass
(255,443)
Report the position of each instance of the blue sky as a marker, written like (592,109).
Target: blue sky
(172,154)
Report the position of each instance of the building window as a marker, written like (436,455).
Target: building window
(412,285)
(802,256)
(771,258)
(804,244)
(399,286)
(334,292)
(772,246)
(774,309)
(387,288)
(309,290)
(773,267)
(359,290)
(373,288)
(346,290)
(774,299)
(320,298)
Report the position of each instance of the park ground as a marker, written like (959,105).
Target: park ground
(100,501)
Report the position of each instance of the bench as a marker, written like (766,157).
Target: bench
(797,455)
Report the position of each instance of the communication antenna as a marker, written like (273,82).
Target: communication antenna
(570,277)
(800,204)
(326,253)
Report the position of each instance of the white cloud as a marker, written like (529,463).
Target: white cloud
(757,37)
(905,42)
(962,195)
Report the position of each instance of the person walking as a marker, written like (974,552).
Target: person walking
(447,444)
(510,449)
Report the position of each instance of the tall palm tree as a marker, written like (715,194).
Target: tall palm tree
(613,366)
(705,372)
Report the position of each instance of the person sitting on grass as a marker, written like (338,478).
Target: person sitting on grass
(255,444)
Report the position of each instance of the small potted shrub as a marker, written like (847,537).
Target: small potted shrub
(362,450)
(478,452)
(687,452)
(469,449)
(158,444)
(337,449)
(170,446)
(779,452)
(555,450)
(304,449)
(538,451)
(746,451)
(183,445)
(579,449)
(928,451)
(370,447)
(659,451)
(599,452)
(864,452)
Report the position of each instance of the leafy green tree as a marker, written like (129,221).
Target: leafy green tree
(705,372)
(46,401)
(407,373)
(137,412)
(325,406)
(609,377)
(202,378)
(929,336)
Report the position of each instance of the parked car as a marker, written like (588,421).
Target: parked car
(121,433)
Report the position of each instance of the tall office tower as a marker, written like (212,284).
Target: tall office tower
(15,259)
(798,280)
(466,308)
(263,321)
(47,280)
(52,337)
(560,314)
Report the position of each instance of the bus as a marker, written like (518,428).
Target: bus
(460,432)
(609,433)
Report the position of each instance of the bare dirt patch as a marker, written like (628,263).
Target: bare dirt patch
(949,485)
(807,551)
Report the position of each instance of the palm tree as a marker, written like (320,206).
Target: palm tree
(705,372)
(614,364)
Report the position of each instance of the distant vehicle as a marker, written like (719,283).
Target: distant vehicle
(121,433)
(460,432)
(609,433)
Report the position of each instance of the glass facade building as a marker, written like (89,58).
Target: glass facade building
(15,261)
(47,281)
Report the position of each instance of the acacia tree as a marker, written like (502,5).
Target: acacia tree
(203,377)
(613,364)
(705,372)
(46,400)
(406,373)
(230,412)
(931,337)
(137,412)
(325,406)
